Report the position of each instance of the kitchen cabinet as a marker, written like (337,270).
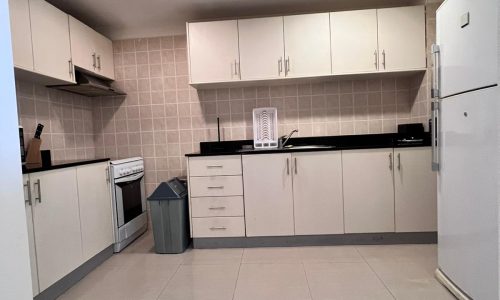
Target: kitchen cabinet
(354,41)
(317,193)
(213,51)
(20,27)
(307,45)
(91,51)
(415,190)
(51,41)
(401,38)
(368,190)
(28,203)
(268,194)
(261,48)
(56,220)
(96,216)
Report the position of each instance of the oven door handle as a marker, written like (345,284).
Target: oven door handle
(130,178)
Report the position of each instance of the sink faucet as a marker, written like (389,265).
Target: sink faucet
(284,139)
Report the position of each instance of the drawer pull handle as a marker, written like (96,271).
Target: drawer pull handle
(217,207)
(213,167)
(218,228)
(216,187)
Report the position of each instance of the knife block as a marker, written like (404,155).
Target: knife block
(34,156)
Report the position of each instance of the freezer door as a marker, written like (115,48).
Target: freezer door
(467,37)
(468,192)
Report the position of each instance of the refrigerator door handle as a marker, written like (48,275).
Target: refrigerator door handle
(435,71)
(435,134)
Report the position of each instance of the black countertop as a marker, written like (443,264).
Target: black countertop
(345,142)
(64,164)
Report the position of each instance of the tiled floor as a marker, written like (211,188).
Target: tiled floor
(319,273)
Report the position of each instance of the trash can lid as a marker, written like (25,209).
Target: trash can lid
(171,190)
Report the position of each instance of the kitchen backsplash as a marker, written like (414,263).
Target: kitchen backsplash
(162,117)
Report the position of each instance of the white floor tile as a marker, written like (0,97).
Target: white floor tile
(272,282)
(212,256)
(399,253)
(271,255)
(329,254)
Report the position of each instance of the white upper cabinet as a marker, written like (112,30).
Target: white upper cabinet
(401,38)
(21,34)
(415,190)
(51,41)
(307,45)
(91,51)
(213,51)
(268,194)
(261,48)
(368,190)
(317,193)
(354,41)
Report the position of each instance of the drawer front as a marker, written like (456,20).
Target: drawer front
(215,165)
(216,186)
(218,227)
(217,206)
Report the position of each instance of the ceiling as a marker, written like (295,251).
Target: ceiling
(121,19)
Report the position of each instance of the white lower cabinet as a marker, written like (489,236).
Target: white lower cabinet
(317,193)
(31,235)
(56,221)
(96,215)
(368,190)
(268,194)
(415,190)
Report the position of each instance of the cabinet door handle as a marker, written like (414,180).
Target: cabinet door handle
(70,64)
(94,60)
(383,58)
(218,228)
(287,65)
(107,174)
(390,161)
(99,62)
(38,184)
(214,166)
(235,68)
(216,187)
(376,59)
(399,161)
(217,208)
(295,162)
(28,186)
(280,66)
(288,166)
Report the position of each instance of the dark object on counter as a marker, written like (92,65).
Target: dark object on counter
(21,144)
(38,132)
(46,158)
(218,129)
(170,218)
(34,157)
(412,128)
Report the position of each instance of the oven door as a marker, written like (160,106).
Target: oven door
(130,197)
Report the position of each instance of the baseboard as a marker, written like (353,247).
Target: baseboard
(58,288)
(317,240)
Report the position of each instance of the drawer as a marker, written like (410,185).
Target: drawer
(216,186)
(217,206)
(215,165)
(218,227)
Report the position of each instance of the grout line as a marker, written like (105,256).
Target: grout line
(238,276)
(307,279)
(376,274)
(168,281)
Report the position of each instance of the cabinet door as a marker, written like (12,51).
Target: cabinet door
(105,64)
(317,193)
(415,190)
(28,200)
(307,45)
(213,51)
(51,41)
(354,41)
(82,45)
(21,34)
(56,221)
(261,48)
(268,194)
(368,190)
(96,216)
(401,38)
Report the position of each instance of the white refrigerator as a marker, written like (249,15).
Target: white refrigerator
(466,146)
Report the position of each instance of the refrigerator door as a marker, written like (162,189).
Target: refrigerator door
(467,37)
(468,192)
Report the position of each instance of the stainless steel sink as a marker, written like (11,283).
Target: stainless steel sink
(292,147)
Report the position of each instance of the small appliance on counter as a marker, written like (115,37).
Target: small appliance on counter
(411,134)
(265,128)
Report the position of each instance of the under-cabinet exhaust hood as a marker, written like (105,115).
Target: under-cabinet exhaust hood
(89,86)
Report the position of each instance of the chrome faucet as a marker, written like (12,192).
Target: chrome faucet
(284,139)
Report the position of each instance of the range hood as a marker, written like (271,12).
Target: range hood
(90,86)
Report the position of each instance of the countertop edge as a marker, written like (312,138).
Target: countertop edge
(65,165)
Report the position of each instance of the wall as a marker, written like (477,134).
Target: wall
(68,131)
(15,274)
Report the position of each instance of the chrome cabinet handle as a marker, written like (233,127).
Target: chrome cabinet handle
(235,68)
(383,58)
(94,60)
(99,62)
(216,187)
(399,161)
(287,65)
(217,208)
(28,186)
(39,198)
(435,71)
(280,66)
(218,228)
(288,166)
(107,174)
(214,166)
(295,162)
(435,134)
(376,59)
(390,161)
(70,63)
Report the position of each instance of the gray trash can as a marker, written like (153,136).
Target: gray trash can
(170,217)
